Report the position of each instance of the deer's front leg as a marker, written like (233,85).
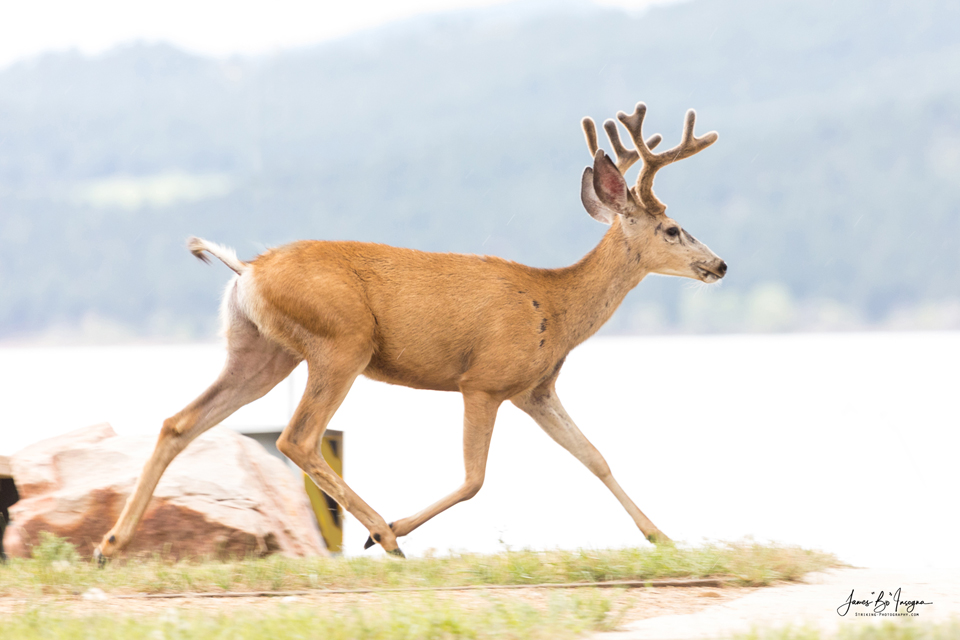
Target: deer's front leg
(480,413)
(543,405)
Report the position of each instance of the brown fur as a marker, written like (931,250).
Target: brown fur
(422,312)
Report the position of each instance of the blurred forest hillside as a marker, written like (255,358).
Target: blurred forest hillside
(833,193)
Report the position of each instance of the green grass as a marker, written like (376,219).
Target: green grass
(55,569)
(887,631)
(397,618)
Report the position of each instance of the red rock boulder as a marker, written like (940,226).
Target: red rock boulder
(223,496)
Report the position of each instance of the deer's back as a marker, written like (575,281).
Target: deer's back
(435,320)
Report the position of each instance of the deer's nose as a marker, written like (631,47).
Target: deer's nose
(722,269)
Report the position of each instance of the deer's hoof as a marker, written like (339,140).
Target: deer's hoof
(99,558)
(370,540)
(660,538)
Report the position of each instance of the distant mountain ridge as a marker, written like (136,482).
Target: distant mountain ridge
(832,193)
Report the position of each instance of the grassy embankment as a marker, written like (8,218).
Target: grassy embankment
(56,569)
(55,573)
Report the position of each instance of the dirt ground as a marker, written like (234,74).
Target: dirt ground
(636,604)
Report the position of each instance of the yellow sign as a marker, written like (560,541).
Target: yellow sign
(328,512)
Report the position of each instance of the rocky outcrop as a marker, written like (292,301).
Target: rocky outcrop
(223,496)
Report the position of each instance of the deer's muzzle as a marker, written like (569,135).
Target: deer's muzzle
(710,272)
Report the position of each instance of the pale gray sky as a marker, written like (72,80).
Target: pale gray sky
(213,27)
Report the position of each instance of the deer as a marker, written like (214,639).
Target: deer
(491,329)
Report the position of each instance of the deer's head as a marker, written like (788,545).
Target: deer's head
(666,248)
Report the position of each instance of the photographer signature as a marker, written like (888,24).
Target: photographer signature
(880,603)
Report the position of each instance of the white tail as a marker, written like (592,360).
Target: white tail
(226,255)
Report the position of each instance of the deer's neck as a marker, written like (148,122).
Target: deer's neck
(592,289)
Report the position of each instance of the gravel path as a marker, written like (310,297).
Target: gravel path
(634,604)
(814,602)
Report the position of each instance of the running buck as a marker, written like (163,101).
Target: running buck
(489,328)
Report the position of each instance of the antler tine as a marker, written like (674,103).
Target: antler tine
(590,132)
(652,162)
(633,123)
(689,143)
(625,157)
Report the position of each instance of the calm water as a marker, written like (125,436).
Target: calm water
(845,442)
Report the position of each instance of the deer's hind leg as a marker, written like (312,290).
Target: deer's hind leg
(334,364)
(254,366)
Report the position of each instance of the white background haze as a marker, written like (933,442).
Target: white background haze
(211,27)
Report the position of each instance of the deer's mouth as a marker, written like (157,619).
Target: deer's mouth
(708,275)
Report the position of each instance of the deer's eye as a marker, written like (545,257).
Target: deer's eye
(673,232)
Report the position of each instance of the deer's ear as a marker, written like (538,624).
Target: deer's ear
(603,190)
(588,196)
